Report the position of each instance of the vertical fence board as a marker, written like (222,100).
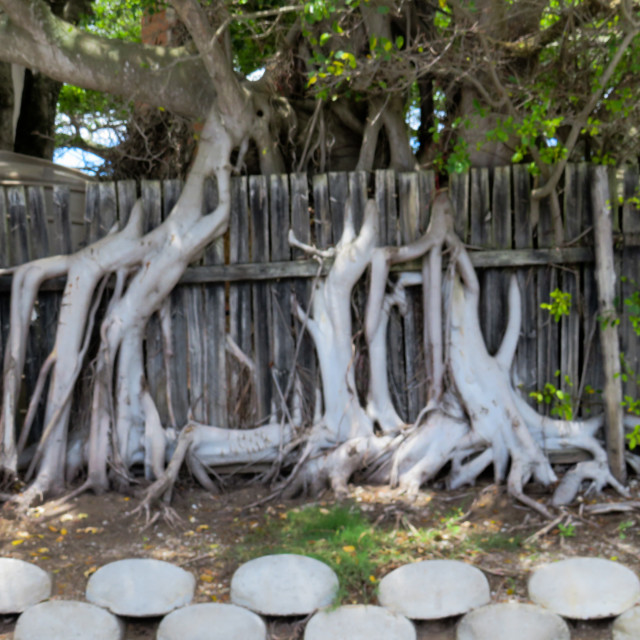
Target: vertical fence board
(108,208)
(126,192)
(630,271)
(496,281)
(91,213)
(526,354)
(410,222)
(241,401)
(571,281)
(321,211)
(358,193)
(282,342)
(62,240)
(460,196)
(4,262)
(548,333)
(338,195)
(259,207)
(214,334)
(306,366)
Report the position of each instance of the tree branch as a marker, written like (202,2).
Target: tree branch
(32,36)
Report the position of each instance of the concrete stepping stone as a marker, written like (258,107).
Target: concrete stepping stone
(506,621)
(284,585)
(359,622)
(68,620)
(213,621)
(22,584)
(585,588)
(140,588)
(627,626)
(434,589)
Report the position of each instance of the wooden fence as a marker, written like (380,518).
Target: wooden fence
(243,285)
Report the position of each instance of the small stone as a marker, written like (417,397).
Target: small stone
(68,620)
(506,621)
(359,622)
(627,626)
(585,588)
(434,589)
(215,621)
(284,585)
(22,584)
(140,588)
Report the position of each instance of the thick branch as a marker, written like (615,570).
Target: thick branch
(32,36)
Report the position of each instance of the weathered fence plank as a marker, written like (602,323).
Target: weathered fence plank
(214,331)
(526,354)
(259,207)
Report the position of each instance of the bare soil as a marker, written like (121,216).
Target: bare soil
(72,539)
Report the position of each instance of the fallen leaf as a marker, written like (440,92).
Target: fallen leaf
(89,571)
(349,548)
(15,543)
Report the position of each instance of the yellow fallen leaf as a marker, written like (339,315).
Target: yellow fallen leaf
(214,598)
(206,578)
(89,571)
(372,578)
(59,538)
(202,527)
(349,548)
(52,528)
(15,543)
(43,549)
(83,516)
(63,532)
(66,517)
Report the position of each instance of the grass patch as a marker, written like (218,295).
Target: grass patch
(360,552)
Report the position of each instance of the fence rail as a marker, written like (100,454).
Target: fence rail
(243,284)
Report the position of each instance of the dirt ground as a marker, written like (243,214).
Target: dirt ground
(71,540)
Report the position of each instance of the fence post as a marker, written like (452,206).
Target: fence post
(605,279)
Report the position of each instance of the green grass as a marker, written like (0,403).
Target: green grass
(360,552)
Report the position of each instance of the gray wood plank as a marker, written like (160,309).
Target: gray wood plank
(18,233)
(459,186)
(338,195)
(108,208)
(216,388)
(62,239)
(241,392)
(410,221)
(571,281)
(263,317)
(548,332)
(321,212)
(630,273)
(282,337)
(526,365)
(127,196)
(306,365)
(358,192)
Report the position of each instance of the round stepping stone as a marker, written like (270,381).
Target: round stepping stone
(506,621)
(140,588)
(67,620)
(627,626)
(585,588)
(22,584)
(213,620)
(284,585)
(359,622)
(434,589)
